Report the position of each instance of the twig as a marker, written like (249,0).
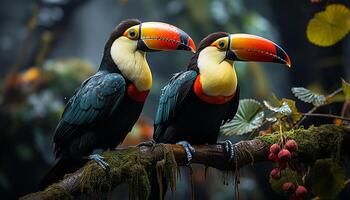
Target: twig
(316,107)
(347,181)
(325,115)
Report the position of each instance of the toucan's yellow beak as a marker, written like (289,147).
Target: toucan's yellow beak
(158,36)
(246,47)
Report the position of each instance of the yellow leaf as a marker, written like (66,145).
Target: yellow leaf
(31,75)
(346,89)
(296,116)
(330,26)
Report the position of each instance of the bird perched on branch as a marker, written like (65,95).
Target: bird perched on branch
(106,105)
(196,102)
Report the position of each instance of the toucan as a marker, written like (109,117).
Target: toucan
(106,105)
(196,102)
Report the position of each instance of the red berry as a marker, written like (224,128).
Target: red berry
(275,174)
(301,191)
(275,148)
(273,157)
(291,145)
(284,155)
(288,187)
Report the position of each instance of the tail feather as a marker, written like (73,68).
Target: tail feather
(63,166)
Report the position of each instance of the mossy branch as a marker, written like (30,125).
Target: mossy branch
(133,165)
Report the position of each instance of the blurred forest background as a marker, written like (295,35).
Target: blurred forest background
(47,47)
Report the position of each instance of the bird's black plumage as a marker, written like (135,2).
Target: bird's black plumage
(97,99)
(181,115)
(98,116)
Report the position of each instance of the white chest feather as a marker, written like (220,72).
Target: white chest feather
(217,75)
(132,63)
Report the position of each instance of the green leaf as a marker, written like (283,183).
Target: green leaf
(308,96)
(284,109)
(326,178)
(287,175)
(249,117)
(346,89)
(296,116)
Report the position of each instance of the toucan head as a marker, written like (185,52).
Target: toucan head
(150,36)
(223,46)
(125,49)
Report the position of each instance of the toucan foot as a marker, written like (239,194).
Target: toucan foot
(188,149)
(229,148)
(147,144)
(100,161)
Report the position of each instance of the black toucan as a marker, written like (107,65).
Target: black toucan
(106,105)
(196,102)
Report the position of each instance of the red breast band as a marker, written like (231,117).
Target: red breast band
(198,90)
(136,95)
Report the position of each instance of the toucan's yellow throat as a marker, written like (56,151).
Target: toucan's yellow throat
(132,63)
(217,74)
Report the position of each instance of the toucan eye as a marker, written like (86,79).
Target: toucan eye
(222,44)
(132,34)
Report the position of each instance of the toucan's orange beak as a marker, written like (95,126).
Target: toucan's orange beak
(158,36)
(246,47)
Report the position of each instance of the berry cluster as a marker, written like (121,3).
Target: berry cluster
(296,192)
(282,157)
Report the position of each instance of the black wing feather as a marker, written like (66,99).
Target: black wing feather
(173,94)
(96,98)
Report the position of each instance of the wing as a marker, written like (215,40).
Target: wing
(173,94)
(96,98)
(233,106)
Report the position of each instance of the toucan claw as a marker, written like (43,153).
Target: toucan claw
(147,144)
(229,148)
(188,149)
(100,161)
(151,144)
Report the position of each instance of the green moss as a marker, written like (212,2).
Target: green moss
(128,166)
(314,142)
(167,169)
(54,192)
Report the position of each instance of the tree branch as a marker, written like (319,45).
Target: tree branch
(315,143)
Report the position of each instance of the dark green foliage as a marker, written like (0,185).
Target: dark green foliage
(286,176)
(326,179)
